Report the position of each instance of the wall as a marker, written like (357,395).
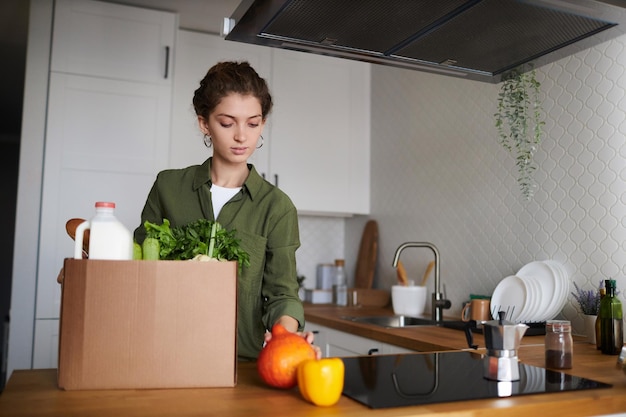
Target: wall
(321,241)
(440,175)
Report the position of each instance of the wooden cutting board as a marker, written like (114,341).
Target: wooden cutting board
(368,253)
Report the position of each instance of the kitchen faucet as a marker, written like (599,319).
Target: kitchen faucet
(438,302)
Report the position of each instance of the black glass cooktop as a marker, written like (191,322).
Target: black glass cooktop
(382,381)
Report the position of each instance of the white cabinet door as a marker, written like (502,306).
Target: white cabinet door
(320,132)
(388,349)
(321,337)
(113,41)
(46,353)
(105,141)
(335,343)
(346,344)
(195,54)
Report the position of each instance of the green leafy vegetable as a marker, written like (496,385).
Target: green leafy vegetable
(137,252)
(151,249)
(202,237)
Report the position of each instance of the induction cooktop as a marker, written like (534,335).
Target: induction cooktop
(383,381)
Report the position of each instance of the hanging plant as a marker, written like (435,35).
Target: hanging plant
(519,124)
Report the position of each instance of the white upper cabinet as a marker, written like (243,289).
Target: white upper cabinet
(317,139)
(320,132)
(113,41)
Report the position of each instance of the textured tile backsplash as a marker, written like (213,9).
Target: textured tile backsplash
(440,175)
(322,241)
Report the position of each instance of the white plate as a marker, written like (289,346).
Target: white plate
(510,297)
(562,287)
(534,300)
(545,276)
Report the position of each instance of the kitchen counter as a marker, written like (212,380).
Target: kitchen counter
(34,393)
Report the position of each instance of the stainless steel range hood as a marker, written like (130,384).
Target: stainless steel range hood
(474,39)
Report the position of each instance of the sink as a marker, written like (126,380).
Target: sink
(401,321)
(409,321)
(392,321)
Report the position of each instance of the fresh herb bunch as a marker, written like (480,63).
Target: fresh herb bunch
(588,300)
(202,237)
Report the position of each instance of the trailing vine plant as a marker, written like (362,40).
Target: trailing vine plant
(519,124)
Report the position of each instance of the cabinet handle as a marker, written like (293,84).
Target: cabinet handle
(372,351)
(276,180)
(167,62)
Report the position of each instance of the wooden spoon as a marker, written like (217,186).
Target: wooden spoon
(71,226)
(429,269)
(402,278)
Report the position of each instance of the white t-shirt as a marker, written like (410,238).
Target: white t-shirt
(220,196)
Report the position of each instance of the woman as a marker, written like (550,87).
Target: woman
(232,105)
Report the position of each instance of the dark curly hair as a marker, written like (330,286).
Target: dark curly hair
(229,77)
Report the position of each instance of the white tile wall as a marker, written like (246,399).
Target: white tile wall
(321,241)
(439,175)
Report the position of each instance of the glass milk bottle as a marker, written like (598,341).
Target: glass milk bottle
(108,237)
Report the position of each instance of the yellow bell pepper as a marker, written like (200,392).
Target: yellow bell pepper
(321,380)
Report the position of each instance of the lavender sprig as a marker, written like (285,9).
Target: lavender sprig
(588,300)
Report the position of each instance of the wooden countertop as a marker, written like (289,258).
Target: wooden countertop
(34,393)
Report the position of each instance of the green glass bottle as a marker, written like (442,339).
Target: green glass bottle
(611,324)
(598,339)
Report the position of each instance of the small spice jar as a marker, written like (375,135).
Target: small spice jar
(559,351)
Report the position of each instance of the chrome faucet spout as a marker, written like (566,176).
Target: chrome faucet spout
(438,303)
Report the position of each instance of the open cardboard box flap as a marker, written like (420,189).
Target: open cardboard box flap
(147,324)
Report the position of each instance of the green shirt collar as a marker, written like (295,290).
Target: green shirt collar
(252,185)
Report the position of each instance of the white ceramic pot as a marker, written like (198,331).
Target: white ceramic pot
(408,300)
(590,328)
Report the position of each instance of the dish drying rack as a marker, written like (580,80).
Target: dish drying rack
(535,328)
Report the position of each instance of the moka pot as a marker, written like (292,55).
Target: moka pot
(502,339)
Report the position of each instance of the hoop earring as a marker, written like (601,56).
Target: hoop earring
(262,141)
(207,141)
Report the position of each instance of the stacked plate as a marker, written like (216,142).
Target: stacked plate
(536,293)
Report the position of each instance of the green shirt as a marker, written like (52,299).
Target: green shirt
(265,221)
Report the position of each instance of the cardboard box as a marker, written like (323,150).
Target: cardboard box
(147,324)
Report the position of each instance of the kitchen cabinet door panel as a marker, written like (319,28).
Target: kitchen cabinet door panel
(113,41)
(320,131)
(335,343)
(45,355)
(106,140)
(108,125)
(388,349)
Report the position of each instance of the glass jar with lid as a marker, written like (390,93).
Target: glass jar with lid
(559,345)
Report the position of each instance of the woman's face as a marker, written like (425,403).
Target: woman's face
(235,127)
